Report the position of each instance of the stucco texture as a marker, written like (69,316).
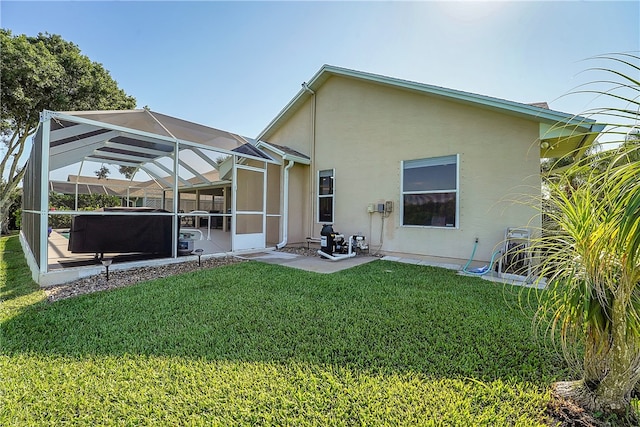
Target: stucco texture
(365,130)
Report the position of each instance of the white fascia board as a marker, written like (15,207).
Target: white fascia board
(549,131)
(261,144)
(300,96)
(560,130)
(282,154)
(297,159)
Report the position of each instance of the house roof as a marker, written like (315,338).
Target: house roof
(540,105)
(73,188)
(108,186)
(108,181)
(122,187)
(562,132)
(285,152)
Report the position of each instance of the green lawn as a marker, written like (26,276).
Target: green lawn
(256,344)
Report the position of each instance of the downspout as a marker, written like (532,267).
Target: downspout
(285,206)
(312,178)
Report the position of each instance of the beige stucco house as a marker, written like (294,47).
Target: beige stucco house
(417,169)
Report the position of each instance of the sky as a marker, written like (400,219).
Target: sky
(235,65)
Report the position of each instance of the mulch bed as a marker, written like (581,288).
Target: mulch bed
(565,413)
(123,278)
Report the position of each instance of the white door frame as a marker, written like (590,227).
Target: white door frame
(247,241)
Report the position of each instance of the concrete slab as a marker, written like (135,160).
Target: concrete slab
(441,265)
(308,263)
(426,262)
(273,256)
(510,279)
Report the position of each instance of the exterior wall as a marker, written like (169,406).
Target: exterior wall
(364,131)
(297,134)
(299,204)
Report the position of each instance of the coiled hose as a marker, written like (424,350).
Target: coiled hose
(480,271)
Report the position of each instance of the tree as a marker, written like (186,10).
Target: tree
(103,172)
(39,73)
(592,259)
(128,171)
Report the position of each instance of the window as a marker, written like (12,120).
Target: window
(430,191)
(325,195)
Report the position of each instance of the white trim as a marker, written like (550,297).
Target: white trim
(247,241)
(249,212)
(251,168)
(457,224)
(111,213)
(285,156)
(456,191)
(284,224)
(332,195)
(44,196)
(175,198)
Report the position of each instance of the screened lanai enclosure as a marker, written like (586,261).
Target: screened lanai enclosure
(187,187)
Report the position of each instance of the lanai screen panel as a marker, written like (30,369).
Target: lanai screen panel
(32,199)
(167,126)
(142,139)
(174,154)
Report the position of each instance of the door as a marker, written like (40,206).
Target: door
(248,224)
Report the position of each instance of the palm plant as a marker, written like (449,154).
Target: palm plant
(592,258)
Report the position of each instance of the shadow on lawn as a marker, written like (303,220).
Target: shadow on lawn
(17,290)
(380,317)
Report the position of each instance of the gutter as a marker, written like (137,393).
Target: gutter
(285,206)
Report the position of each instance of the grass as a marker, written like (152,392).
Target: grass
(257,344)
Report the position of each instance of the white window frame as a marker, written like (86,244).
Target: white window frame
(456,191)
(332,196)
